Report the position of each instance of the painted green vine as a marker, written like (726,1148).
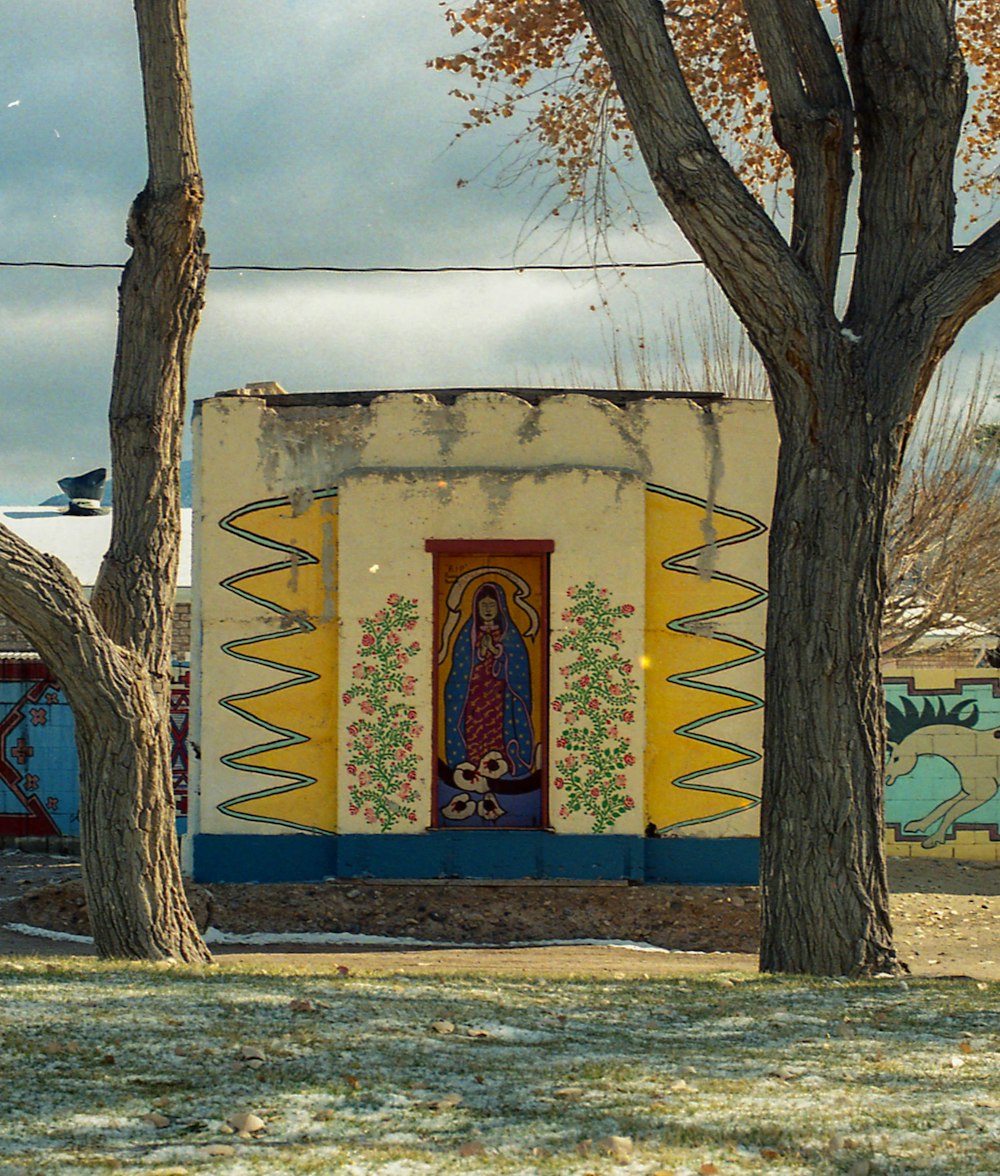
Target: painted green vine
(597,706)
(382,762)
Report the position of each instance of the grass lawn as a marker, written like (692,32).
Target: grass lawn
(147,1069)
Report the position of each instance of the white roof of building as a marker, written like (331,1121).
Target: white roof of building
(80,542)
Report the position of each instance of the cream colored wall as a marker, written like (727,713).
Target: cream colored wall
(408,468)
(386,518)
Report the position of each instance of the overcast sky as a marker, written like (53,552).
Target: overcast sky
(323,140)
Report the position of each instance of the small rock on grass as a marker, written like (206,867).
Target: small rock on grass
(246,1123)
(619,1147)
(155,1119)
(443,1026)
(220,1149)
(446,1103)
(472,1147)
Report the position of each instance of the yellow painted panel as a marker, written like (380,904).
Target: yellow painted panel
(976,851)
(690,601)
(938,851)
(292,762)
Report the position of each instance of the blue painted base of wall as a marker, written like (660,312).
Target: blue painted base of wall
(733,861)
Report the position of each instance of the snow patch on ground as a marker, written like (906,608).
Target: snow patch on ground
(45,933)
(348,938)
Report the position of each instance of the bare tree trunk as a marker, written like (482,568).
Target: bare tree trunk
(131,865)
(825,899)
(135,895)
(845,390)
(112,656)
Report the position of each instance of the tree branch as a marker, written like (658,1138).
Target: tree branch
(813,122)
(765,282)
(170,133)
(45,600)
(909,87)
(159,305)
(961,289)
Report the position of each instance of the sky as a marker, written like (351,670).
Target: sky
(324,140)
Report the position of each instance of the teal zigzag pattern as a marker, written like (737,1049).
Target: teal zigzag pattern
(693,678)
(284,736)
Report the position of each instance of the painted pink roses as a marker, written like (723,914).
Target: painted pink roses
(382,760)
(596,705)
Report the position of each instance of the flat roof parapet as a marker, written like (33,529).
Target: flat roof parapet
(344,399)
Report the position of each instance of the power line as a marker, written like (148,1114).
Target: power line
(61,265)
(375,269)
(458,269)
(535,267)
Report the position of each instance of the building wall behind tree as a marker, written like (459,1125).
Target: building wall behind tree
(942,797)
(334,594)
(12,640)
(39,777)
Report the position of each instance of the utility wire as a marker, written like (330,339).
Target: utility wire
(552,267)
(373,269)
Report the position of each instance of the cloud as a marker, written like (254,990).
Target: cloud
(379,331)
(323,139)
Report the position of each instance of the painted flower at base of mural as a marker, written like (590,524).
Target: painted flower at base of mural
(596,707)
(381,762)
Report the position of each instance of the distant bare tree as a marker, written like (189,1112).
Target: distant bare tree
(943,539)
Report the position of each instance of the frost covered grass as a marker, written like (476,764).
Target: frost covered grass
(148,1069)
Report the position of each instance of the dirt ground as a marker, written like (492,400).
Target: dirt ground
(946,917)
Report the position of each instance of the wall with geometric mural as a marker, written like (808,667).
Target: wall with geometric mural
(943,773)
(39,780)
(479,633)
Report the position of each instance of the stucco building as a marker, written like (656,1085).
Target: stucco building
(479,633)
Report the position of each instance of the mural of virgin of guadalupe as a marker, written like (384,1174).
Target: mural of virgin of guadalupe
(489,735)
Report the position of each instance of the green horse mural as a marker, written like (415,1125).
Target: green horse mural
(951,734)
